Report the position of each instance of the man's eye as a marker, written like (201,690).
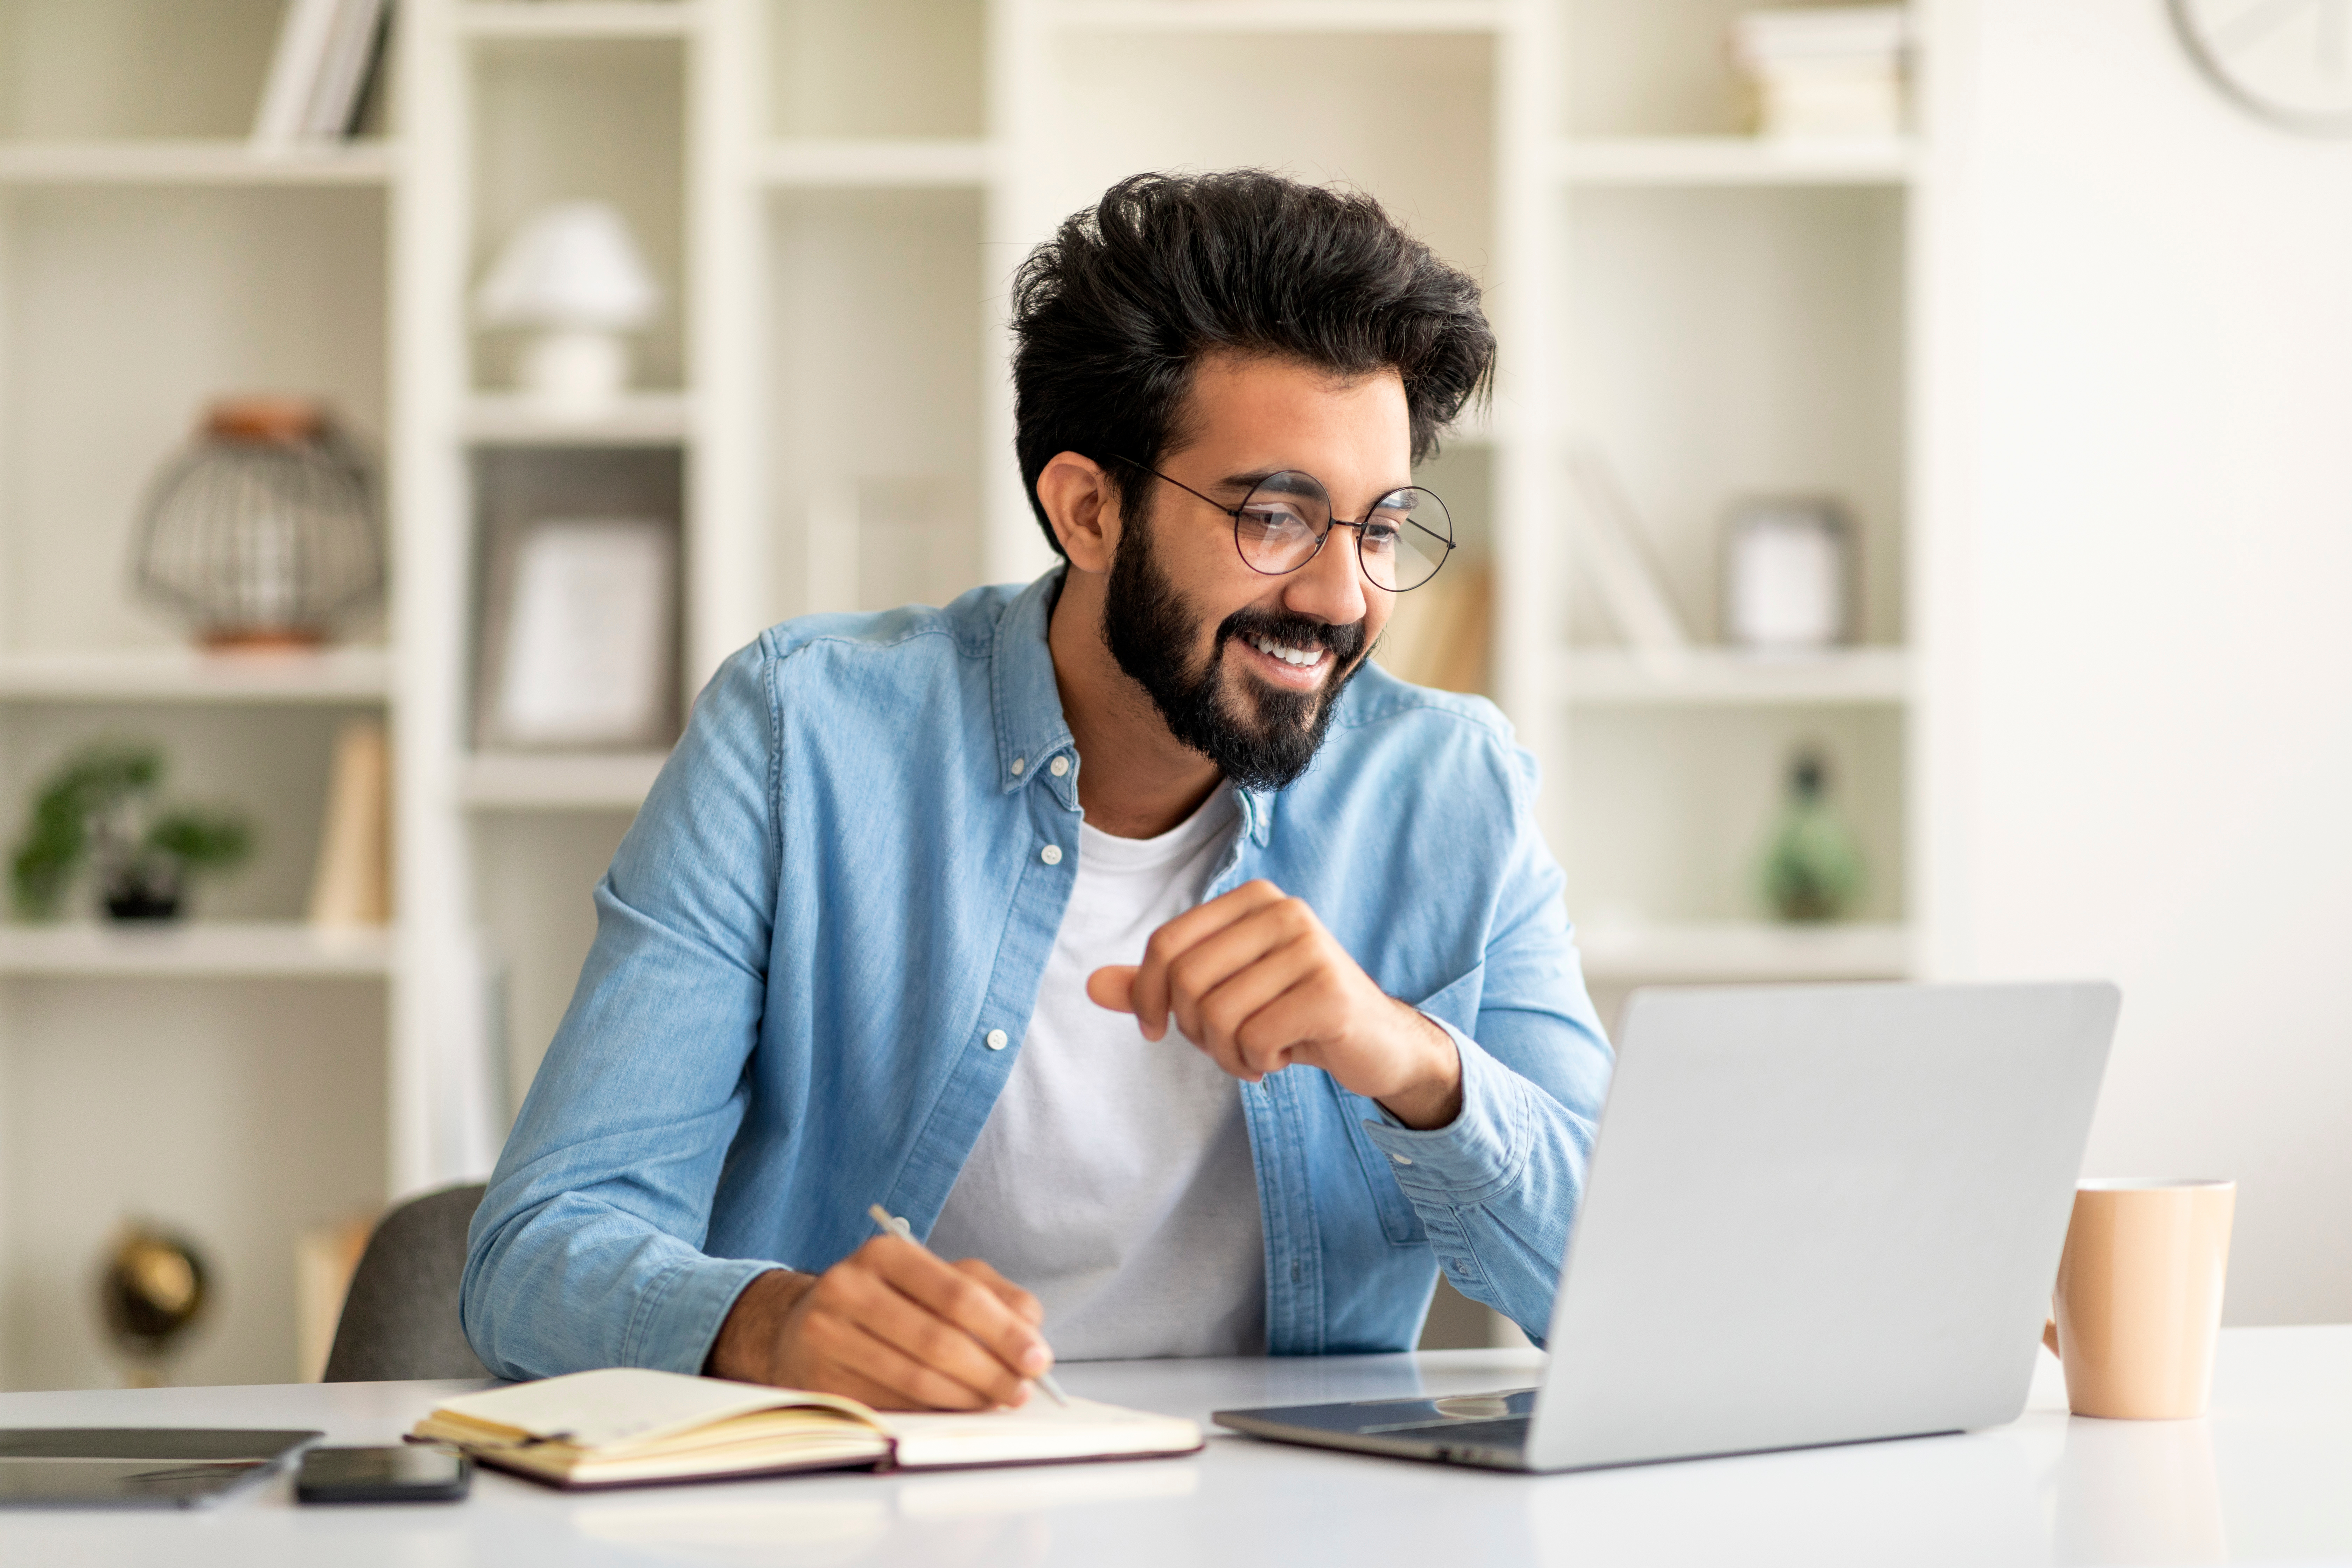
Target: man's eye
(1381,537)
(1273,519)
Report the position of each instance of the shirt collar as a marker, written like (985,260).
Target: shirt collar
(1030,728)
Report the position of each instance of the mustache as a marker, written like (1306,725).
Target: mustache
(1344,641)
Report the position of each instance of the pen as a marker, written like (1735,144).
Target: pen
(899,1228)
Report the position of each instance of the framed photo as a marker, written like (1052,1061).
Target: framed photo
(580,640)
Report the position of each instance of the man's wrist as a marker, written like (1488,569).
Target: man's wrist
(1434,1097)
(745,1348)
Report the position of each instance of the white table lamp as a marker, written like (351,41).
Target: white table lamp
(574,272)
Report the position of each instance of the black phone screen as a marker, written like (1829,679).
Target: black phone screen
(410,1473)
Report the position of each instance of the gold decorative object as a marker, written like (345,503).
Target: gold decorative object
(152,1292)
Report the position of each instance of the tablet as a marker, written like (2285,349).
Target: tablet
(135,1466)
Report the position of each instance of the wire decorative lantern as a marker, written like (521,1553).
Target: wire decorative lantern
(263,532)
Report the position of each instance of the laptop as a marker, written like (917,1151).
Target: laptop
(1814,1215)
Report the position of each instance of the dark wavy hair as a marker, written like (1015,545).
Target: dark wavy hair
(1111,314)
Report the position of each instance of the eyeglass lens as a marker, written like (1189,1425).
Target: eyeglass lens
(1402,540)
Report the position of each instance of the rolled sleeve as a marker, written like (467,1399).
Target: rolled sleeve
(1482,1153)
(680,1317)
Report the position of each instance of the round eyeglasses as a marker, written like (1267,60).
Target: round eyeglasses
(1284,521)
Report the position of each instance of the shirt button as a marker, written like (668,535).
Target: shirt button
(1058,766)
(1051,854)
(1400,1159)
(996,1040)
(1018,765)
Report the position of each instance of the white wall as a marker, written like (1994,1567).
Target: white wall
(2142,601)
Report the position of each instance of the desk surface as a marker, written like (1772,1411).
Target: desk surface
(2267,1475)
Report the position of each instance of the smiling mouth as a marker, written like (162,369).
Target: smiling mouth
(1303,660)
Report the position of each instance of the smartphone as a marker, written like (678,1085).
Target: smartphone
(409,1473)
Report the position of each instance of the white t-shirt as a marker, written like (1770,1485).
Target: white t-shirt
(1113,1177)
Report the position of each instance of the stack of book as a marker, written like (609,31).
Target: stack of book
(329,59)
(1826,71)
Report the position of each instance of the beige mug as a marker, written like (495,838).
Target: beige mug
(2138,1303)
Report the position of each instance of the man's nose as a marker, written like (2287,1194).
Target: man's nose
(1329,588)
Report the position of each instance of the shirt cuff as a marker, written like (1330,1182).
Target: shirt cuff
(1481,1152)
(680,1316)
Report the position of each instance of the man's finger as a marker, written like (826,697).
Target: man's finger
(1113,986)
(1223,953)
(974,1311)
(1228,1011)
(1025,1307)
(876,1351)
(1171,940)
(943,1353)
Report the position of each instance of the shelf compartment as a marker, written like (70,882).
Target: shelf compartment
(1724,678)
(523,782)
(1283,16)
(580,19)
(184,675)
(196,162)
(948,164)
(1732,951)
(228,950)
(1732,160)
(857,70)
(637,419)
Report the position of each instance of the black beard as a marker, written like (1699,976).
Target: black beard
(1148,627)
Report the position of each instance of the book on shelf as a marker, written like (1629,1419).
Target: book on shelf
(631,1425)
(323,73)
(1824,71)
(1609,543)
(351,884)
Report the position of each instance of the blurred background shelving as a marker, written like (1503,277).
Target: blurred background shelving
(832,195)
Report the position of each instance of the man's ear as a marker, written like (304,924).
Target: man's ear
(1082,505)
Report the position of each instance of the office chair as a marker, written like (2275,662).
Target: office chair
(400,1319)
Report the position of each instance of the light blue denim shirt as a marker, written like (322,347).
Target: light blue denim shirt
(817,952)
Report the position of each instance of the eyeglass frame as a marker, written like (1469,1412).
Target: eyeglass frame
(1322,539)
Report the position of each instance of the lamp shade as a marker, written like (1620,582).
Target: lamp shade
(572,265)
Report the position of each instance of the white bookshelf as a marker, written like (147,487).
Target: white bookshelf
(525,782)
(643,419)
(1713,678)
(340,676)
(1246,17)
(218,950)
(193,163)
(833,194)
(1721,951)
(939,164)
(1731,161)
(574,19)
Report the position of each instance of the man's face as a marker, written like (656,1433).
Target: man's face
(1190,621)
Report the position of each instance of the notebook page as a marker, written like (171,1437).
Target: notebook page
(631,1405)
(1038,1430)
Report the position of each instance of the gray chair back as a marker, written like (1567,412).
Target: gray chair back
(400,1319)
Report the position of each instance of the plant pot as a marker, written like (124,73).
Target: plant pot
(142,901)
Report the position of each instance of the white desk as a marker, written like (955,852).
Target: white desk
(2268,1475)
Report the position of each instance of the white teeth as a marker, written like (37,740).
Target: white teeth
(1297,655)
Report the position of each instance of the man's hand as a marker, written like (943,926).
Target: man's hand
(1255,981)
(890,1324)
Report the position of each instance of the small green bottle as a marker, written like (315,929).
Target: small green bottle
(1813,870)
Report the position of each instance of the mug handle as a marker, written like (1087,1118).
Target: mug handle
(2050,1336)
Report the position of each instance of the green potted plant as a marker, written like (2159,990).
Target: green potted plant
(99,809)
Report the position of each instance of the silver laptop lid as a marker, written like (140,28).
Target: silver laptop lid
(1819,1213)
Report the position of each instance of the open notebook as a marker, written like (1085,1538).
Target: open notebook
(624,1426)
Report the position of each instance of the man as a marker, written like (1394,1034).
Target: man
(1201,986)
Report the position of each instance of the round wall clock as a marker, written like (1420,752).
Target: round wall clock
(2288,60)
